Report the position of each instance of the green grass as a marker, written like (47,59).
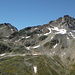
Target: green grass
(19,65)
(13,66)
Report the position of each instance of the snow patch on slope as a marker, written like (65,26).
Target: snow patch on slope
(35,69)
(2,54)
(36,46)
(59,31)
(35,54)
(63,54)
(67,37)
(28,48)
(55,45)
(27,37)
(72,35)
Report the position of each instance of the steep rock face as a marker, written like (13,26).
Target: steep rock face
(48,49)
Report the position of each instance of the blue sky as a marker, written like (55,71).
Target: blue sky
(25,13)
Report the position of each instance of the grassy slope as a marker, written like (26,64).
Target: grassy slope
(24,66)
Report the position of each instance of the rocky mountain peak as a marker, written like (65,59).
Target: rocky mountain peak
(10,26)
(67,16)
(65,22)
(68,19)
(50,46)
(6,29)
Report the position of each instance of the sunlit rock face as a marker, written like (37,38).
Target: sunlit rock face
(47,49)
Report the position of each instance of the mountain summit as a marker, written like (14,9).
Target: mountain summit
(47,49)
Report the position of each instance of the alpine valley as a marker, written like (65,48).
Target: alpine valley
(47,49)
